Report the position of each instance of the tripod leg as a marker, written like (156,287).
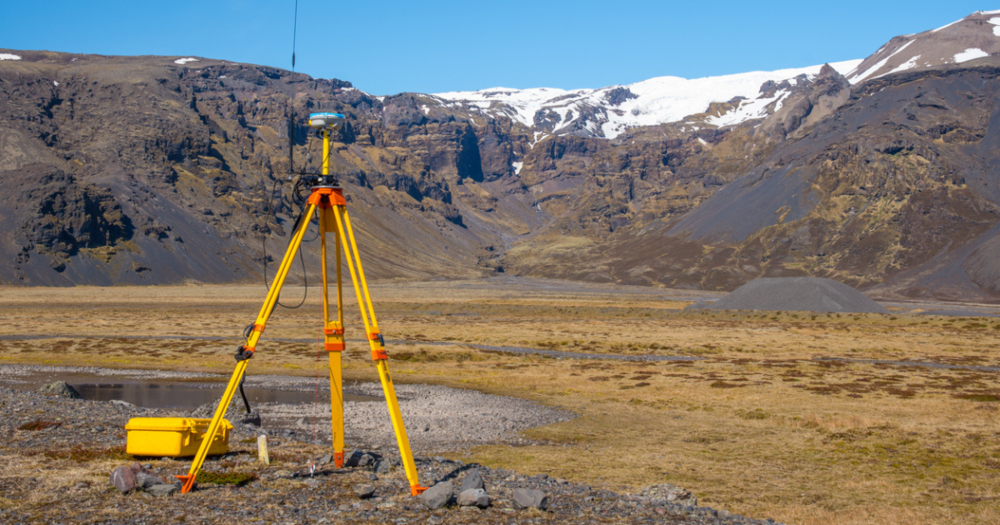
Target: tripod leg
(377,344)
(333,335)
(246,351)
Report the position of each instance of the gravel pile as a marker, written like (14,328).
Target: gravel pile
(795,294)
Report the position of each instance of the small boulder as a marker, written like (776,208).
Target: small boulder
(162,490)
(530,498)
(473,498)
(144,480)
(383,467)
(359,458)
(473,480)
(437,496)
(123,479)
(60,389)
(364,491)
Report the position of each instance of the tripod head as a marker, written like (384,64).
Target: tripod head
(325,124)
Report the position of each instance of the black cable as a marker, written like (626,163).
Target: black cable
(243,394)
(267,220)
(263,240)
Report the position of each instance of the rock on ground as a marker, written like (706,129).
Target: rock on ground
(162,490)
(670,494)
(61,389)
(364,491)
(123,479)
(530,498)
(437,496)
(473,480)
(473,498)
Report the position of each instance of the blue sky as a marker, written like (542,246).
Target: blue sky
(387,47)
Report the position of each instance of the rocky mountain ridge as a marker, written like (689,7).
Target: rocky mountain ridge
(167,170)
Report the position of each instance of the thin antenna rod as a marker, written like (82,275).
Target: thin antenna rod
(291,103)
(295,25)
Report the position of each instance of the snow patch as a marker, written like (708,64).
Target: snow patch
(426,109)
(8,56)
(970,54)
(183,61)
(55,83)
(996,25)
(909,64)
(946,26)
(876,67)
(517,167)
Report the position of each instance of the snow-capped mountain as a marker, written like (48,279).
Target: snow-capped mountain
(975,36)
(607,112)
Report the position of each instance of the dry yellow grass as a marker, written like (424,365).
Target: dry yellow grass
(760,426)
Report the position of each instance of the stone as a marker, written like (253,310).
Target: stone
(123,479)
(137,467)
(473,498)
(60,389)
(144,480)
(364,491)
(325,460)
(670,493)
(472,480)
(359,458)
(383,467)
(530,498)
(437,496)
(162,490)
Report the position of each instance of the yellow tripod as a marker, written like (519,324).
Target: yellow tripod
(328,200)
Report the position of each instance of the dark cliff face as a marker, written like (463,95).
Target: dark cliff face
(141,170)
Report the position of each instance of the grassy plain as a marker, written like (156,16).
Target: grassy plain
(762,425)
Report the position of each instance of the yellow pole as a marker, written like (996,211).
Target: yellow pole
(326,152)
(376,342)
(248,348)
(333,336)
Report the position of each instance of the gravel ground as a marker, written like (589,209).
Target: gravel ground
(44,479)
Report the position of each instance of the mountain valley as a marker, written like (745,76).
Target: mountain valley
(879,173)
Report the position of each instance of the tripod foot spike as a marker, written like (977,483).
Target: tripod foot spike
(416,490)
(188,480)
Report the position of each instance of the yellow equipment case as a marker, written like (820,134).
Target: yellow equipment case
(173,436)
